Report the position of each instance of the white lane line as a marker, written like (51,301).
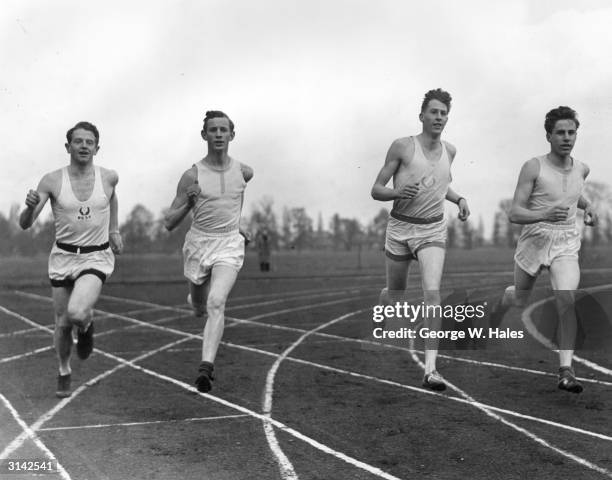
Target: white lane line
(286,468)
(21,332)
(123,362)
(259,416)
(489,412)
(535,333)
(31,434)
(368,342)
(27,354)
(422,391)
(45,417)
(138,424)
(516,369)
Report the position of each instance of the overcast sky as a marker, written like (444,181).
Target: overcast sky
(318,90)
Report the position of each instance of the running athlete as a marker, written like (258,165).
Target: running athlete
(84,205)
(416,230)
(214,246)
(548,193)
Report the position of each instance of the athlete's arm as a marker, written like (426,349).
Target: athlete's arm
(464,210)
(247,172)
(35,201)
(114,236)
(590,214)
(519,212)
(186,195)
(392,162)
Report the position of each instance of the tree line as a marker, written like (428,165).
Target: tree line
(143,232)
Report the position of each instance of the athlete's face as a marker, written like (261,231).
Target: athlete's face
(82,146)
(434,117)
(218,134)
(563,137)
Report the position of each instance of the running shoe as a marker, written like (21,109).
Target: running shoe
(63,386)
(205,377)
(434,381)
(568,381)
(85,342)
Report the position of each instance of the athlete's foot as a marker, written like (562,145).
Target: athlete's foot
(63,386)
(198,310)
(85,342)
(568,381)
(434,381)
(205,377)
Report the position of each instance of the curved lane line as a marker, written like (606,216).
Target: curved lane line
(286,468)
(535,333)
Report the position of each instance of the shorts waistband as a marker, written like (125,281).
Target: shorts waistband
(418,220)
(554,226)
(222,232)
(78,249)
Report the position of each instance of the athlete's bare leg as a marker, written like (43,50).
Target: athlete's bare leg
(198,295)
(222,280)
(397,280)
(516,295)
(62,335)
(564,279)
(431,263)
(84,296)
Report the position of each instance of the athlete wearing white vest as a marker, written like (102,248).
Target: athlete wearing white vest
(548,192)
(80,225)
(84,206)
(416,230)
(214,246)
(214,237)
(541,243)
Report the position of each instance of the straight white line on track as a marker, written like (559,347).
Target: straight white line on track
(21,332)
(27,354)
(275,423)
(17,442)
(45,417)
(422,391)
(376,379)
(32,434)
(490,413)
(535,333)
(138,424)
(516,369)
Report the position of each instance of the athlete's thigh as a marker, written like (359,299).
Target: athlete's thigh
(565,273)
(61,296)
(523,281)
(222,280)
(85,293)
(431,264)
(397,274)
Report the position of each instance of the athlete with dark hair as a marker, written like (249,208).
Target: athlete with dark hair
(84,205)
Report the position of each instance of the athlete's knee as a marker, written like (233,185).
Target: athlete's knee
(79,316)
(215,304)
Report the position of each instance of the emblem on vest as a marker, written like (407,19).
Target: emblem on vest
(84,213)
(428,181)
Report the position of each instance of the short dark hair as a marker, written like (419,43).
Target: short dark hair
(85,126)
(560,113)
(216,114)
(437,94)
